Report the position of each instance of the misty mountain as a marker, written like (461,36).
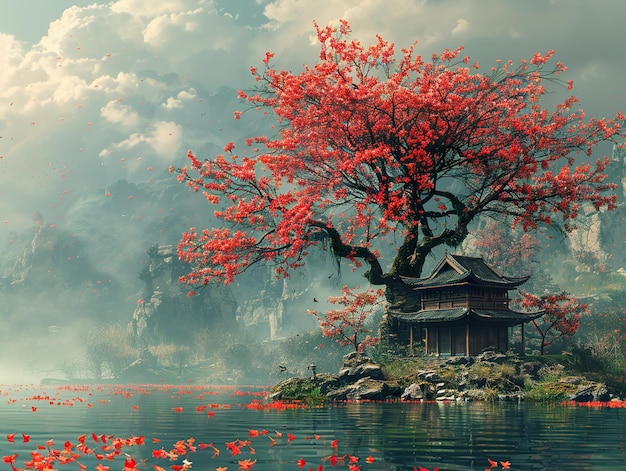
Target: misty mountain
(61,278)
(108,257)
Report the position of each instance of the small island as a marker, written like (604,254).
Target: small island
(489,376)
(459,315)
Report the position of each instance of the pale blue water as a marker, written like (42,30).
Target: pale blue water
(395,436)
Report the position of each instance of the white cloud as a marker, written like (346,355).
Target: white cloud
(187,94)
(123,84)
(150,8)
(117,113)
(93,84)
(165,139)
(92,32)
(172,103)
(160,29)
(462,25)
(161,139)
(177,103)
(366,17)
(11,53)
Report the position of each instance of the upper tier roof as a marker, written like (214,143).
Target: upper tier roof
(461,269)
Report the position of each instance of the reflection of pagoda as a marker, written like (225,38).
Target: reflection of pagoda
(463,309)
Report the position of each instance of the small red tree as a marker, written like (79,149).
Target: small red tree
(373,144)
(590,261)
(561,316)
(346,325)
(507,251)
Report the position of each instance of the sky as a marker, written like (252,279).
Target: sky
(96,91)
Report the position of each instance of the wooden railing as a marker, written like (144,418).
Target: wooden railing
(476,303)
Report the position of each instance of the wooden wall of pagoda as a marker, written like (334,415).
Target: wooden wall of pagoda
(454,340)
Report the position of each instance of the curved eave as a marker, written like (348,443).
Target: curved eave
(511,282)
(419,284)
(501,317)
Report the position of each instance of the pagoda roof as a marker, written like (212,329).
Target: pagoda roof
(503,317)
(460,269)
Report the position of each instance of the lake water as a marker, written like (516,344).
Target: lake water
(163,425)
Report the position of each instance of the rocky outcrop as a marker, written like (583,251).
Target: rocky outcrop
(359,379)
(357,366)
(579,389)
(489,376)
(413,392)
(362,379)
(366,389)
(592,393)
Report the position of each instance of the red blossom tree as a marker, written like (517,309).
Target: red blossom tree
(372,144)
(346,325)
(561,316)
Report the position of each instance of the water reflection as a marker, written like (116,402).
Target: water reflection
(396,436)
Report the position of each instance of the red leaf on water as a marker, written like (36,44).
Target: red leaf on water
(10,458)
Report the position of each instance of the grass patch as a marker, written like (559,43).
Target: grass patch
(402,368)
(502,377)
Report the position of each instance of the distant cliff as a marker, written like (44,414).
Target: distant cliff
(165,311)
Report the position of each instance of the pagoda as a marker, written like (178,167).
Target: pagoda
(461,308)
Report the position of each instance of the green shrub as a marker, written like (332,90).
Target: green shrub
(546,392)
(305,391)
(490,394)
(551,373)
